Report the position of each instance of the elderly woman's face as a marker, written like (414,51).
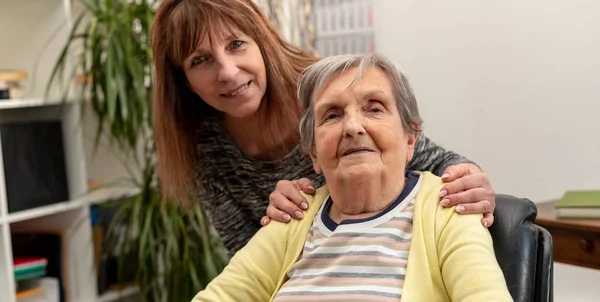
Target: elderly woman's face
(358,131)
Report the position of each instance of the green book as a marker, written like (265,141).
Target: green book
(579,199)
(579,204)
(29,268)
(30,275)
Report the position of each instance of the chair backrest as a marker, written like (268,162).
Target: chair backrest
(523,249)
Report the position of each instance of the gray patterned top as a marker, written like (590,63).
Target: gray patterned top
(235,188)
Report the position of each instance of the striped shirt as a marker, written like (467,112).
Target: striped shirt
(357,260)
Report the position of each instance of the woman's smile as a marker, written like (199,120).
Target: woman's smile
(238,91)
(357,151)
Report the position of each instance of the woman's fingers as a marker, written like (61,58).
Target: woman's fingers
(487,220)
(470,190)
(467,182)
(265,220)
(275,213)
(459,170)
(286,202)
(306,185)
(468,196)
(485,207)
(473,201)
(480,207)
(288,191)
(282,208)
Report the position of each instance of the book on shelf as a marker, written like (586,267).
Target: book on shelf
(583,204)
(49,246)
(24,264)
(26,268)
(32,294)
(38,290)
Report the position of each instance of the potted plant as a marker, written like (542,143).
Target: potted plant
(172,251)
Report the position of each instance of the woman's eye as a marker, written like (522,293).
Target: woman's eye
(375,106)
(236,44)
(198,60)
(330,116)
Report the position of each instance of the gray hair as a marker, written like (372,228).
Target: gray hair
(315,76)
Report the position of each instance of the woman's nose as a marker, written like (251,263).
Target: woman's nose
(353,125)
(227,70)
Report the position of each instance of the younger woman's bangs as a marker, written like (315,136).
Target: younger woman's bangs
(218,22)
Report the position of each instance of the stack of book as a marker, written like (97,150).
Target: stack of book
(29,268)
(579,205)
(27,271)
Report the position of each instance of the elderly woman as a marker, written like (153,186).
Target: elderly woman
(378,232)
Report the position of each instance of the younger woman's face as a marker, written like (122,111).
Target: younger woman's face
(228,72)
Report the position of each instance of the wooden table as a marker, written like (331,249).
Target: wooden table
(576,241)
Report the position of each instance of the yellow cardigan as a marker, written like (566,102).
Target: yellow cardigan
(451,256)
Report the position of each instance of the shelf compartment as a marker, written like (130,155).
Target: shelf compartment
(116,295)
(30,103)
(95,197)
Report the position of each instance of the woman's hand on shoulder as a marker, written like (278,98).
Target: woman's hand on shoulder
(287,202)
(467,187)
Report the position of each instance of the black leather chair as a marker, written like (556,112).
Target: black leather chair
(523,249)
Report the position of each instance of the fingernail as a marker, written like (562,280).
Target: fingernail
(262,221)
(304,205)
(485,224)
(460,209)
(445,175)
(445,202)
(299,214)
(443,193)
(311,187)
(286,217)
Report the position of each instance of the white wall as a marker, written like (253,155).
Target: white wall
(105,163)
(510,84)
(26,28)
(513,85)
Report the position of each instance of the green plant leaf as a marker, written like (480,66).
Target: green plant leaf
(167,251)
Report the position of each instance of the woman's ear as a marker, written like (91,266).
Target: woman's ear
(315,161)
(412,141)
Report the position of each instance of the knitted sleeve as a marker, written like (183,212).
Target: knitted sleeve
(433,158)
(234,225)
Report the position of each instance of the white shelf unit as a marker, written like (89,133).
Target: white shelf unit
(70,218)
(25,29)
(28,103)
(116,295)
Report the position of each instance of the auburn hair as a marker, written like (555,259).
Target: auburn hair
(178,28)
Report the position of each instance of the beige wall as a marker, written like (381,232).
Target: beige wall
(514,86)
(26,28)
